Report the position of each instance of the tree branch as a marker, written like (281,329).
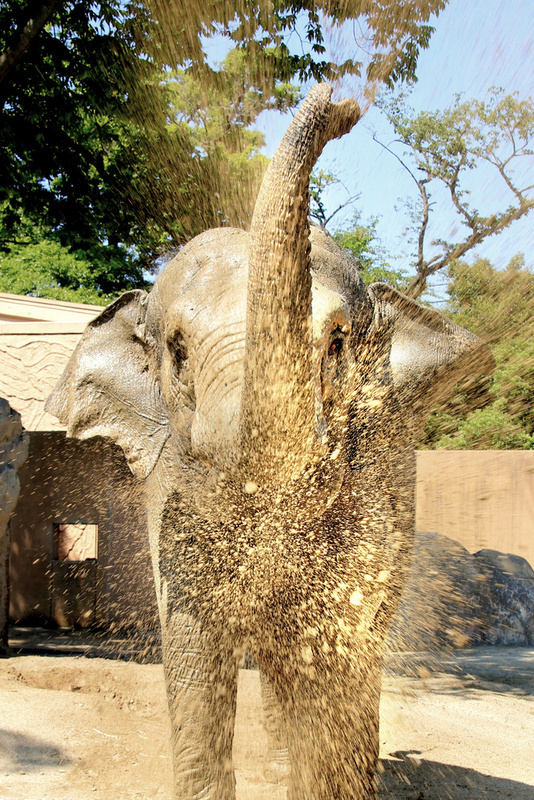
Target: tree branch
(347,202)
(424,223)
(518,193)
(24,35)
(399,159)
(418,284)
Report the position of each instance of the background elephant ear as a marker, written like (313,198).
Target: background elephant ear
(429,354)
(108,388)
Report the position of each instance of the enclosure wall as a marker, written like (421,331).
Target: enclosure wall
(66,481)
(481,498)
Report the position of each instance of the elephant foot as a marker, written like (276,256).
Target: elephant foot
(277,768)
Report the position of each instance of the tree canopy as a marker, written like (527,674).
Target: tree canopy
(121,138)
(286,40)
(440,149)
(40,266)
(498,412)
(93,147)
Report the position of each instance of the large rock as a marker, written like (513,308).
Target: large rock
(13,452)
(456,599)
(440,605)
(509,600)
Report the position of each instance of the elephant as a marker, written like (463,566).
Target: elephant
(270,401)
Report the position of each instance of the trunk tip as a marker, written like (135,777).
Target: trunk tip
(341,116)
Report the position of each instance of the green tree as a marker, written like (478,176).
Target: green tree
(92,148)
(498,412)
(41,266)
(362,242)
(440,148)
(98,157)
(285,40)
(81,134)
(121,139)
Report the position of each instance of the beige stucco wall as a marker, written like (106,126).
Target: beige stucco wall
(30,366)
(37,338)
(481,498)
(19,308)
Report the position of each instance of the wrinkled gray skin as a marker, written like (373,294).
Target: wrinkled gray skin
(270,402)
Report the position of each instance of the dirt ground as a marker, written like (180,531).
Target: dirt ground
(455,727)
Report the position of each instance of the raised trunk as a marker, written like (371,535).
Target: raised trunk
(278,408)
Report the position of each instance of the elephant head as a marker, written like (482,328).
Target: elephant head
(271,401)
(246,338)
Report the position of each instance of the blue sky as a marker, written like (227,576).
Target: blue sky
(477,44)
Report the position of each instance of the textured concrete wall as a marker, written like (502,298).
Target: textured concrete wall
(30,366)
(66,481)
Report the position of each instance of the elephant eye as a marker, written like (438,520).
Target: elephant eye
(177,348)
(336,343)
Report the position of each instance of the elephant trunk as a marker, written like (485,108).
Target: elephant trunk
(278,407)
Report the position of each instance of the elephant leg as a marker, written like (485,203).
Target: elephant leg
(201,679)
(277,766)
(333,737)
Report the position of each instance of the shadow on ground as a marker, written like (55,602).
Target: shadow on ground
(143,647)
(503,670)
(28,753)
(405,776)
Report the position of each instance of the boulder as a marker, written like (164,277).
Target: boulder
(440,605)
(509,599)
(456,599)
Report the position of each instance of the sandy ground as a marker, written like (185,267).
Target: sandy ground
(460,727)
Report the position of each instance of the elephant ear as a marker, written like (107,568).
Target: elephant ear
(429,354)
(108,387)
